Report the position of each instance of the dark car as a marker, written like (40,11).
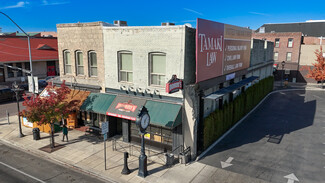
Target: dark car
(7,94)
(42,83)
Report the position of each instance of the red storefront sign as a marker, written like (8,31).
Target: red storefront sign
(126,107)
(174,85)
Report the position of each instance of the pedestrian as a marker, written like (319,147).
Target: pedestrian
(65,133)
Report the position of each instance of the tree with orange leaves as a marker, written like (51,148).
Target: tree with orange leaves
(318,70)
(49,108)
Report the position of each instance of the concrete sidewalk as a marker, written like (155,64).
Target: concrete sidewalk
(86,153)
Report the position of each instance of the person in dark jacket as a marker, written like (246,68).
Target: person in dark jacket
(65,133)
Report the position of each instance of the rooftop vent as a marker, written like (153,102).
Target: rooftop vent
(167,24)
(120,23)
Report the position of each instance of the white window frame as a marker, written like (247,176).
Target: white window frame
(290,56)
(277,58)
(120,66)
(275,45)
(158,74)
(65,63)
(89,64)
(290,46)
(78,67)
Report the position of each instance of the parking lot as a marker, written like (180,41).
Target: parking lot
(282,141)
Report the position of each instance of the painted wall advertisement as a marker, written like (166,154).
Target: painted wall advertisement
(220,49)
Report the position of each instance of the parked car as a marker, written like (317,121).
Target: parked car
(7,94)
(42,83)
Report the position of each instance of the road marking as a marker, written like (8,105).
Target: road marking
(22,172)
(291,178)
(227,163)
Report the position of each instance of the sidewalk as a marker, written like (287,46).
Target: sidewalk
(86,154)
(291,85)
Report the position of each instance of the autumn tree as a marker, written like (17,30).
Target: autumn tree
(50,107)
(318,70)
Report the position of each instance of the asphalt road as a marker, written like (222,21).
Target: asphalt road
(11,107)
(18,166)
(285,136)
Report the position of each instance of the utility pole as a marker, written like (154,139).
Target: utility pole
(29,51)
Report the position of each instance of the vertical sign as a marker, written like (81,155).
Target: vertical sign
(209,49)
(30,84)
(104,132)
(220,49)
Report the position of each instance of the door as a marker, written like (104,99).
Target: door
(50,70)
(126,130)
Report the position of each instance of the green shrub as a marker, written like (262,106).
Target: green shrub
(221,120)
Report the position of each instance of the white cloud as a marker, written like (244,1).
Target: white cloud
(20,4)
(46,3)
(193,11)
(257,13)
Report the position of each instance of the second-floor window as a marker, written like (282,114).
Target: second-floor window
(125,67)
(277,42)
(289,56)
(79,63)
(290,42)
(67,62)
(157,69)
(276,55)
(92,56)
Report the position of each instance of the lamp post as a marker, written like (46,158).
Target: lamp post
(282,63)
(29,50)
(142,122)
(16,89)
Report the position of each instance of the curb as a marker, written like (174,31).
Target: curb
(43,156)
(241,120)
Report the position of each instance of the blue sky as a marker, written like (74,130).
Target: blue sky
(43,15)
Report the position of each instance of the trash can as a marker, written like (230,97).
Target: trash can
(184,158)
(36,134)
(169,159)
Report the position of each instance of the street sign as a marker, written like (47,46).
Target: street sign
(30,84)
(105,127)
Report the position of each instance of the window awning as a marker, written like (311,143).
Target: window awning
(164,114)
(125,107)
(97,102)
(231,88)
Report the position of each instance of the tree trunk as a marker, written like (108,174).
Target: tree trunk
(52,135)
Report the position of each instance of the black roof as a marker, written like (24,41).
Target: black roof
(307,28)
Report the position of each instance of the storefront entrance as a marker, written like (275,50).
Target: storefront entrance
(2,75)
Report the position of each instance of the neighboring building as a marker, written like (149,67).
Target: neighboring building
(81,54)
(295,43)
(139,65)
(14,52)
(287,47)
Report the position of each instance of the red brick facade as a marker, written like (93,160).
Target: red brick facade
(283,48)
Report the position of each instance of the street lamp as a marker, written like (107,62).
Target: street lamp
(29,50)
(282,63)
(143,121)
(16,89)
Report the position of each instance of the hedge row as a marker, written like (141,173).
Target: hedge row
(219,121)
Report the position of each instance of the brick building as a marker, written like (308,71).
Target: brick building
(294,43)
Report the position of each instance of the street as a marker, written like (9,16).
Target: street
(282,141)
(11,107)
(18,166)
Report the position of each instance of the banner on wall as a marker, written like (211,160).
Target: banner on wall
(220,49)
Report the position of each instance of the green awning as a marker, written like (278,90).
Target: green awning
(164,114)
(97,103)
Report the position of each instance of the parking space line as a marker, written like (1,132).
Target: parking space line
(39,180)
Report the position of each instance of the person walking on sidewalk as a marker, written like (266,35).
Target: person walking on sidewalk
(65,133)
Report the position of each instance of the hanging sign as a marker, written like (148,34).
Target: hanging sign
(174,85)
